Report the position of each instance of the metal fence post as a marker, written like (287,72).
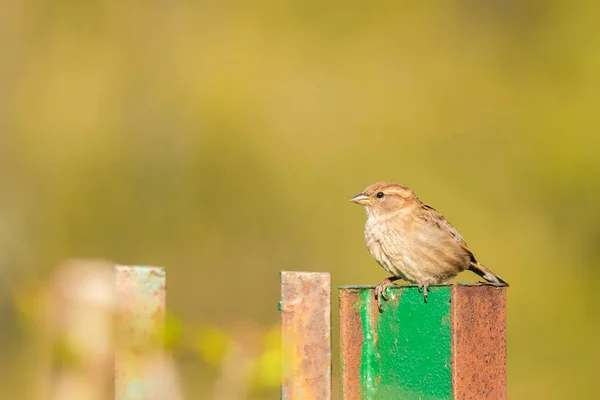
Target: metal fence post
(141,298)
(306,335)
(452,347)
(76,342)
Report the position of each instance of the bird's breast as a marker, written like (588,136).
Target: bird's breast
(383,242)
(405,248)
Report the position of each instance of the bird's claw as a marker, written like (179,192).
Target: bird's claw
(380,293)
(424,288)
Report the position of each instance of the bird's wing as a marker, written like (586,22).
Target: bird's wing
(438,220)
(442,223)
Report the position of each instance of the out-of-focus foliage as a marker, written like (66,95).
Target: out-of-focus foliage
(268,371)
(223,140)
(212,345)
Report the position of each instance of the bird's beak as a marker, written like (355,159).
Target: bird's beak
(361,199)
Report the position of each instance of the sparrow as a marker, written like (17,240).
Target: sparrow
(412,241)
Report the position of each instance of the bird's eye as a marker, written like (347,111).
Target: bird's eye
(380,195)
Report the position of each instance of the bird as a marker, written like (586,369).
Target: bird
(412,241)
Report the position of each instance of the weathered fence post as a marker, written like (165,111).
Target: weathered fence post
(76,333)
(452,347)
(306,335)
(141,298)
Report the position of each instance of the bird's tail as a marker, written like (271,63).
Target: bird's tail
(486,274)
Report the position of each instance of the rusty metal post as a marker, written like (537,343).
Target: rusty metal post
(452,347)
(306,335)
(479,342)
(141,298)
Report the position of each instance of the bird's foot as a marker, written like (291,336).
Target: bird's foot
(380,292)
(424,287)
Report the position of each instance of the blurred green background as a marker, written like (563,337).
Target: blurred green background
(223,141)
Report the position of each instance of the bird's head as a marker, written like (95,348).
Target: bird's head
(385,197)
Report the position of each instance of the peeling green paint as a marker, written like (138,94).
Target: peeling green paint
(370,370)
(406,350)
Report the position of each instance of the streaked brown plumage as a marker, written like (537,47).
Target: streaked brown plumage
(412,241)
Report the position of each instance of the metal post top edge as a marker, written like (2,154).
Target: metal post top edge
(395,286)
(141,268)
(304,273)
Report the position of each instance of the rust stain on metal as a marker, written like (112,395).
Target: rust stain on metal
(306,335)
(479,342)
(374,314)
(351,343)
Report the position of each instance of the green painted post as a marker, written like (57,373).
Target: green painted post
(140,298)
(452,347)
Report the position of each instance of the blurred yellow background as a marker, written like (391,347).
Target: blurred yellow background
(223,140)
